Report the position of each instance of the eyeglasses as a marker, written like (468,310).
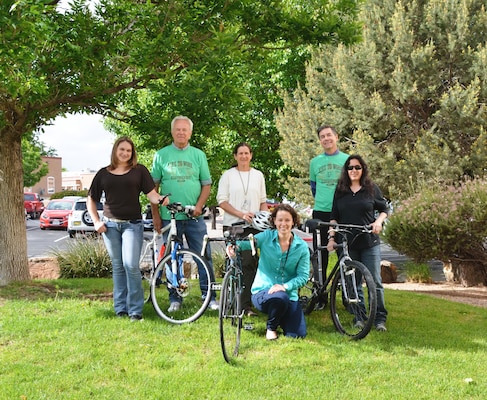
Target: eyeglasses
(357,167)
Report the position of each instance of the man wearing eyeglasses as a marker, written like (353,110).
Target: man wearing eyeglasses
(324,171)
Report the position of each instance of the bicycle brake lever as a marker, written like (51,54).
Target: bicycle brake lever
(252,243)
(164,198)
(205,242)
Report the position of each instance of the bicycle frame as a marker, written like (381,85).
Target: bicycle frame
(352,309)
(172,276)
(231,311)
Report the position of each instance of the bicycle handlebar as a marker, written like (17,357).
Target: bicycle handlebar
(230,236)
(179,208)
(337,227)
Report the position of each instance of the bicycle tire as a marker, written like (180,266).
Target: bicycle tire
(346,315)
(146,265)
(230,316)
(196,293)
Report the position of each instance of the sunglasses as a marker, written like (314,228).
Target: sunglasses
(357,167)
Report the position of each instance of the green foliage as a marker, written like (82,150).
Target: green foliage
(84,258)
(418,272)
(91,57)
(64,193)
(33,166)
(410,97)
(219,261)
(232,88)
(442,222)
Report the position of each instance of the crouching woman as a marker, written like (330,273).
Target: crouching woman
(283,269)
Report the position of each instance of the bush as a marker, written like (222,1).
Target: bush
(64,193)
(418,272)
(218,259)
(447,223)
(84,258)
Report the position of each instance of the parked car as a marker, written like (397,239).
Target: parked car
(80,219)
(56,214)
(271,204)
(147,218)
(33,204)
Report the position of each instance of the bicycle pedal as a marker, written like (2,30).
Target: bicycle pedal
(248,326)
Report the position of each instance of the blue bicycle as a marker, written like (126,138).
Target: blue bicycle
(180,271)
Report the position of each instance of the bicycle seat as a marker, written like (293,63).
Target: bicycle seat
(310,225)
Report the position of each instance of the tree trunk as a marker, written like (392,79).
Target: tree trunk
(13,238)
(472,274)
(465,273)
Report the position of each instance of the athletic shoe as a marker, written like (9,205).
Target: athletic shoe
(175,306)
(214,306)
(381,327)
(359,324)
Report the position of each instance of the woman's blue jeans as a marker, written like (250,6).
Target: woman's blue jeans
(371,259)
(281,311)
(123,241)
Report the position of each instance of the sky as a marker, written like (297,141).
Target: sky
(81,141)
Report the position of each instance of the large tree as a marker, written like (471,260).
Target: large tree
(58,61)
(410,97)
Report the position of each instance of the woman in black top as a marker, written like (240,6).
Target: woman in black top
(359,201)
(122,228)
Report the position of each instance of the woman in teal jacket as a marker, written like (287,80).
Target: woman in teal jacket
(283,269)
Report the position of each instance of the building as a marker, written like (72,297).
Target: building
(52,182)
(56,180)
(77,180)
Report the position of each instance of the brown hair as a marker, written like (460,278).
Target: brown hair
(114,159)
(289,209)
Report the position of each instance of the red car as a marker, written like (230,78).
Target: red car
(56,214)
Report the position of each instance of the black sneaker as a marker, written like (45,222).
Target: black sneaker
(122,314)
(136,317)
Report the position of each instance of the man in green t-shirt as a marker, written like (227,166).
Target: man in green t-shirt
(324,171)
(182,170)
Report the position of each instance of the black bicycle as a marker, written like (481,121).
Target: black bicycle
(231,311)
(352,294)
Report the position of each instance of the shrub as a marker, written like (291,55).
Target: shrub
(447,223)
(64,193)
(418,272)
(218,258)
(84,258)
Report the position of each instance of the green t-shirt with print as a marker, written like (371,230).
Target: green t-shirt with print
(325,170)
(181,172)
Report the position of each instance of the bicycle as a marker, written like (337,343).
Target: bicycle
(352,295)
(172,267)
(231,311)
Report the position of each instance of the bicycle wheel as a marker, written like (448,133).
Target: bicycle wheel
(146,265)
(192,291)
(353,300)
(230,316)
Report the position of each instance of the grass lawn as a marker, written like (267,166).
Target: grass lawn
(60,340)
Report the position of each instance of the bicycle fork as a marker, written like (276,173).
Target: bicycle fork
(347,276)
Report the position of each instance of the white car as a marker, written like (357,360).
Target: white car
(80,219)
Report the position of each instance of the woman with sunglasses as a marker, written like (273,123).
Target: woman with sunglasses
(358,200)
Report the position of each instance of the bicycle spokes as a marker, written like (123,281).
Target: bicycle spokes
(230,316)
(183,280)
(353,300)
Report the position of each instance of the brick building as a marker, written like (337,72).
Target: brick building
(56,180)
